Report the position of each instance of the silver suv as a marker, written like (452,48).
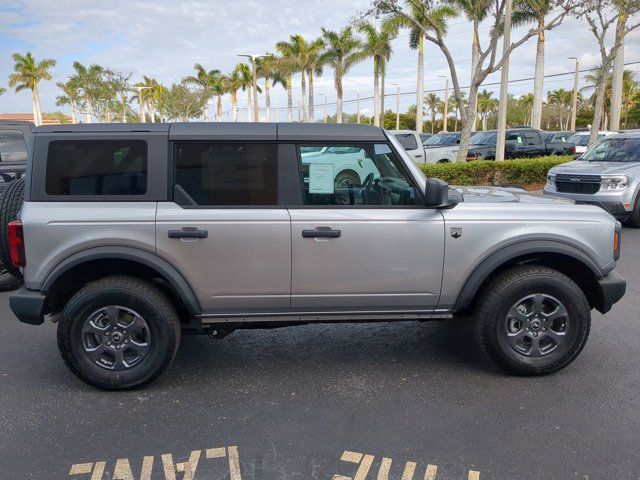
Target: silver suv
(131,235)
(607,174)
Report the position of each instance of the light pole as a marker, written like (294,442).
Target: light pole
(504,85)
(143,117)
(574,101)
(357,105)
(445,120)
(254,84)
(324,116)
(397,106)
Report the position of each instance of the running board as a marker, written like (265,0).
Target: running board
(295,317)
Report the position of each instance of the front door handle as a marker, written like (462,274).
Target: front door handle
(188,233)
(321,233)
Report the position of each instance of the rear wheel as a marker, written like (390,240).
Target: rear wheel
(118,333)
(532,320)
(347,179)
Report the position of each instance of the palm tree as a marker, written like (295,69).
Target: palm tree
(3,90)
(528,102)
(314,67)
(529,11)
(286,65)
(416,42)
(233,82)
(69,97)
(377,44)
(341,53)
(486,105)
(27,74)
(148,96)
(246,76)
(432,101)
(629,93)
(562,98)
(206,81)
(88,82)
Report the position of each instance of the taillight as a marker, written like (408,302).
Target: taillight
(16,244)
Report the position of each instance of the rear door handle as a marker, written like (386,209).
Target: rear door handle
(184,233)
(321,233)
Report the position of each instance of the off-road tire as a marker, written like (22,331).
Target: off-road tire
(136,294)
(7,281)
(497,298)
(10,207)
(349,176)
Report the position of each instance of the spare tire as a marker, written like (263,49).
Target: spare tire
(10,207)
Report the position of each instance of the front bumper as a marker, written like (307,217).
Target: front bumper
(618,204)
(610,289)
(617,209)
(28,306)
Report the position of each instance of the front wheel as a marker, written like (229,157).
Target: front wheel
(532,320)
(118,333)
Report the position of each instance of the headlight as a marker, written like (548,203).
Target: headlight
(551,180)
(614,182)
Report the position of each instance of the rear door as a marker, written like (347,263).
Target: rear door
(224,229)
(367,246)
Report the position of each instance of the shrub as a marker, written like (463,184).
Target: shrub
(484,172)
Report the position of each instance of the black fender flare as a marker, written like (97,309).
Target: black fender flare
(143,257)
(503,255)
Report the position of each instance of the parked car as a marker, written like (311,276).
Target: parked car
(425,136)
(350,164)
(132,235)
(607,174)
(14,137)
(444,149)
(411,142)
(442,139)
(580,140)
(550,137)
(520,143)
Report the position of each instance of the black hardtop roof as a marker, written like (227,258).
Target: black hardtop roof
(21,123)
(240,131)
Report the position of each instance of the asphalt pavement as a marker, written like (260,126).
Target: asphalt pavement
(402,400)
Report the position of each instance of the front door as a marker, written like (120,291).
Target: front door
(370,245)
(224,230)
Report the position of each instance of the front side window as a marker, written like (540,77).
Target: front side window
(443,139)
(12,146)
(407,140)
(215,174)
(533,138)
(357,175)
(484,138)
(97,167)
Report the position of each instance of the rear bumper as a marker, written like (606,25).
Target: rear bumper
(611,288)
(28,306)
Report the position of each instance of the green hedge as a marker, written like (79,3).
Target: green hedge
(483,172)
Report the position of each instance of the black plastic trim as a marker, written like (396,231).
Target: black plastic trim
(28,306)
(611,289)
(509,252)
(164,268)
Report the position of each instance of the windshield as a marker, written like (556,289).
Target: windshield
(616,149)
(484,138)
(582,140)
(443,138)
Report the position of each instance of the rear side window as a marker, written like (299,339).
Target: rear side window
(407,140)
(229,174)
(12,146)
(97,167)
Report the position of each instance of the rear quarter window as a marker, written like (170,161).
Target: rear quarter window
(407,140)
(12,146)
(96,167)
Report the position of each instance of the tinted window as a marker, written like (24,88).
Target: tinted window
(228,174)
(579,140)
(407,140)
(443,139)
(97,167)
(361,174)
(516,138)
(615,149)
(12,146)
(533,138)
(484,138)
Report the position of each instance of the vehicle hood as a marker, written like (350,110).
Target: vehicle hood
(581,167)
(506,195)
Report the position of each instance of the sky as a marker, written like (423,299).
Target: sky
(165,38)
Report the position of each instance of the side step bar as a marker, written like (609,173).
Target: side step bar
(355,316)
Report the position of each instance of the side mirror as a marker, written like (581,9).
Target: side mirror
(437,194)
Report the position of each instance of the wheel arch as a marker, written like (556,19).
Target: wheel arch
(99,262)
(565,258)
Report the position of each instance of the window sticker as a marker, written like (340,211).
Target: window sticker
(321,178)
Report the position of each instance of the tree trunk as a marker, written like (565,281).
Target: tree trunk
(433,121)
(312,117)
(382,79)
(420,87)
(475,59)
(597,112)
(339,93)
(267,97)
(376,94)
(74,117)
(538,83)
(219,109)
(34,107)
(616,83)
(303,99)
(289,100)
(468,124)
(484,122)
(234,105)
(249,104)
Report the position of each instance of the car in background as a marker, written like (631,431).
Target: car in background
(443,139)
(411,142)
(425,136)
(521,142)
(443,147)
(580,140)
(550,137)
(607,175)
(350,164)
